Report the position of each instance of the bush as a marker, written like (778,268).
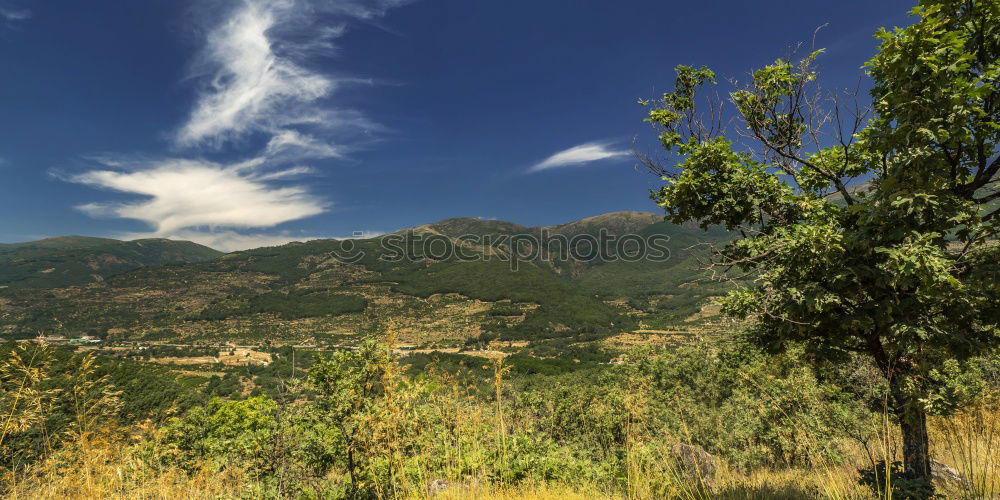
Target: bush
(752,409)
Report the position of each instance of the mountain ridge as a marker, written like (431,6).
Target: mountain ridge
(312,292)
(73,260)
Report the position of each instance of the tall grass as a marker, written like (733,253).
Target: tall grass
(437,436)
(969,441)
(107,465)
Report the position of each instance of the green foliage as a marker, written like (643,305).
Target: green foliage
(227,386)
(677,104)
(306,303)
(564,310)
(74,260)
(753,409)
(719,186)
(237,431)
(291,304)
(899,484)
(504,309)
(905,270)
(350,386)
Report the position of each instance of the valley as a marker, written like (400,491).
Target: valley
(251,319)
(304,293)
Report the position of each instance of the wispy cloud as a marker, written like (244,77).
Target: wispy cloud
(256,77)
(252,87)
(256,82)
(578,155)
(9,13)
(292,144)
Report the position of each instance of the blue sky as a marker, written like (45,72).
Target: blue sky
(245,123)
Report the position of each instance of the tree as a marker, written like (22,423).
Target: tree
(861,229)
(362,395)
(239,431)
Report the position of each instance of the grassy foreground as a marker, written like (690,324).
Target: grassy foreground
(103,467)
(360,425)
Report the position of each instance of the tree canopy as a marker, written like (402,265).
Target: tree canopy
(867,227)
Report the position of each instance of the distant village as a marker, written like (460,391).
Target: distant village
(62,339)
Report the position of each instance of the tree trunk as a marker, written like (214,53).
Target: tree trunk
(917,475)
(350,471)
(916,449)
(912,420)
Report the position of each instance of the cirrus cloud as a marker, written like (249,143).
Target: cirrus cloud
(251,85)
(255,81)
(578,155)
(10,14)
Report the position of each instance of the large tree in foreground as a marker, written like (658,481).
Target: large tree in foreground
(864,229)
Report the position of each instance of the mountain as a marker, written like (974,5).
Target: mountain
(450,282)
(603,272)
(75,260)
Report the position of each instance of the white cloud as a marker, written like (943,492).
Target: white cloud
(578,155)
(184,195)
(289,143)
(13,14)
(287,173)
(257,80)
(252,86)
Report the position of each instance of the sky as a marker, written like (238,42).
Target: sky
(246,123)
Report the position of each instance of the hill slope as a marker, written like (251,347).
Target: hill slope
(75,260)
(439,283)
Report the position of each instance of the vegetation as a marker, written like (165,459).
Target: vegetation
(362,423)
(75,260)
(47,394)
(902,270)
(291,304)
(267,293)
(858,257)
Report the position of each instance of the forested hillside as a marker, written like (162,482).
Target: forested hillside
(433,280)
(76,260)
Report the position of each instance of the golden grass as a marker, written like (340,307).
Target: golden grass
(969,442)
(107,472)
(103,467)
(103,472)
(527,492)
(98,461)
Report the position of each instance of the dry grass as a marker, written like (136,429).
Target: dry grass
(970,442)
(101,466)
(526,492)
(100,461)
(104,470)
